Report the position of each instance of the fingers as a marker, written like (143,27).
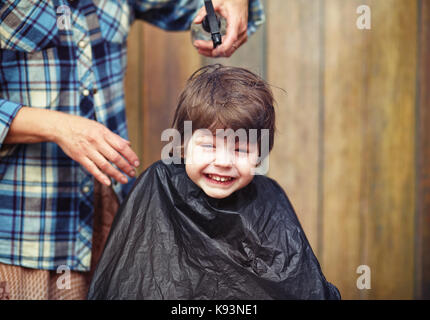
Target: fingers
(123,147)
(203,45)
(115,157)
(112,150)
(205,52)
(230,48)
(106,167)
(98,149)
(236,33)
(231,36)
(205,48)
(200,15)
(94,170)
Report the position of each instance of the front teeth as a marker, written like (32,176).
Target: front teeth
(222,179)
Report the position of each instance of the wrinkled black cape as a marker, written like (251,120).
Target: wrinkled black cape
(169,240)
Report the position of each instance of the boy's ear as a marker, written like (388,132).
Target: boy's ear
(262,167)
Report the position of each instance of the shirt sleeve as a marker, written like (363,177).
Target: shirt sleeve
(178,15)
(8,111)
(256,16)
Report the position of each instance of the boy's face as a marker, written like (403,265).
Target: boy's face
(218,165)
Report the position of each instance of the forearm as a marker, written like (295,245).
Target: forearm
(33,125)
(84,140)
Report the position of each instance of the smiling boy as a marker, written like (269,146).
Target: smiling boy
(225,106)
(220,168)
(210,228)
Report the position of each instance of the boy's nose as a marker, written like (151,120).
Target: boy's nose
(223,158)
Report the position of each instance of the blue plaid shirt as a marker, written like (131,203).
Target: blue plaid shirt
(68,56)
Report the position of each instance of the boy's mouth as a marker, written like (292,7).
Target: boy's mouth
(214,178)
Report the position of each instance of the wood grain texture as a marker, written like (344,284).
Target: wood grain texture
(422,280)
(293,66)
(345,69)
(389,231)
(168,60)
(134,88)
(369,147)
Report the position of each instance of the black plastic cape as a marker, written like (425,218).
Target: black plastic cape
(169,240)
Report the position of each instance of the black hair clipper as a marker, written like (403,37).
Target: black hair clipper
(212,24)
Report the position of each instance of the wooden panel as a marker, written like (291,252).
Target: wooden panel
(423,157)
(133,88)
(391,108)
(168,60)
(346,66)
(293,66)
(369,147)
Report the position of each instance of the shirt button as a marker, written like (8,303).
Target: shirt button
(85,92)
(94,90)
(82,44)
(86,189)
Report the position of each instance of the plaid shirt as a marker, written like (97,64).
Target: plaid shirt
(68,56)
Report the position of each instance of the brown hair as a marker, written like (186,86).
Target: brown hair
(218,96)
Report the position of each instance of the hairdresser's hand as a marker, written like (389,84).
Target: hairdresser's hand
(236,14)
(96,148)
(86,141)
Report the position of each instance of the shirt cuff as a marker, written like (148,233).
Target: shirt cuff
(179,15)
(8,111)
(166,14)
(256,16)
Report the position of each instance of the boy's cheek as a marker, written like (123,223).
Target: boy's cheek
(253,163)
(243,161)
(246,166)
(252,170)
(200,158)
(252,159)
